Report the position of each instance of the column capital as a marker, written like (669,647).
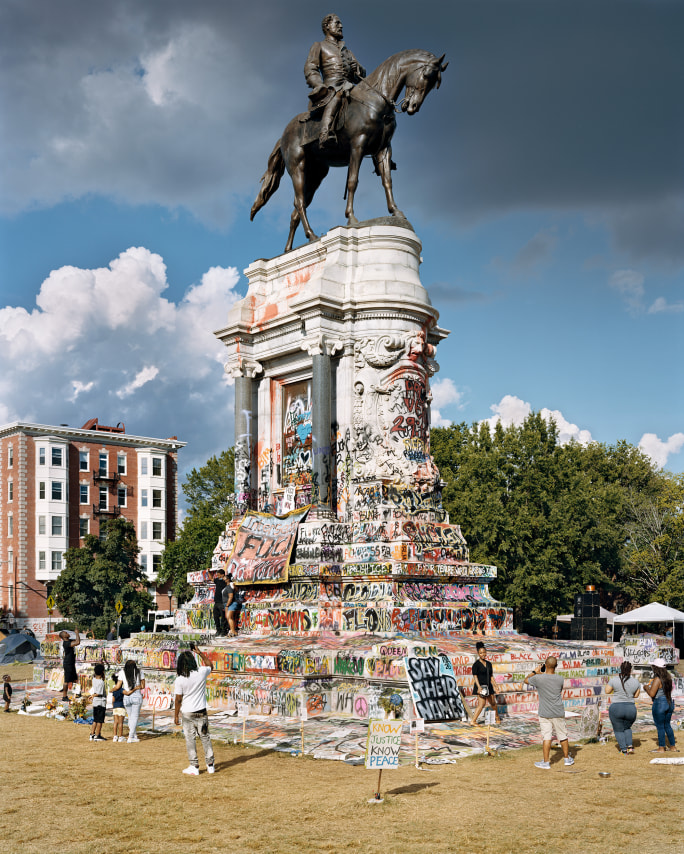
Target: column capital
(322,345)
(243,368)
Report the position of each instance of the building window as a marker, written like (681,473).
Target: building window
(83,493)
(103,463)
(10,456)
(143,562)
(83,460)
(10,559)
(56,526)
(156,563)
(10,490)
(143,498)
(143,530)
(156,530)
(41,525)
(121,496)
(121,463)
(156,467)
(56,561)
(156,498)
(41,456)
(143,465)
(56,490)
(56,456)
(41,560)
(10,525)
(103,498)
(41,489)
(83,527)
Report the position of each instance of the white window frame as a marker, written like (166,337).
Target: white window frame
(119,491)
(59,484)
(60,452)
(83,457)
(81,487)
(157,461)
(56,561)
(60,532)
(121,469)
(42,526)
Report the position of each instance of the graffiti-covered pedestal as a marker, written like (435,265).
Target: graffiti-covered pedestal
(332,351)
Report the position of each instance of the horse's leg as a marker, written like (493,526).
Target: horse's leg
(383,165)
(355,159)
(300,180)
(294,222)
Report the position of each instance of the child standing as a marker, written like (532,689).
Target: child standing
(99,702)
(6,691)
(118,709)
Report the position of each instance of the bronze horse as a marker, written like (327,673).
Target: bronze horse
(369,123)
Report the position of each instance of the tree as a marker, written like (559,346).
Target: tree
(654,548)
(549,516)
(209,492)
(98,574)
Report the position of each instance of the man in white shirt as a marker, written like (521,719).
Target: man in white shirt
(190,690)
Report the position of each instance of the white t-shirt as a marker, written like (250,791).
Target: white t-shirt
(99,698)
(193,689)
(121,676)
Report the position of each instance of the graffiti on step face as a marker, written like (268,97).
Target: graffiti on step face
(297,461)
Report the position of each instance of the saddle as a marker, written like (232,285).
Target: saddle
(312,121)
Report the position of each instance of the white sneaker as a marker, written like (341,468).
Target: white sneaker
(191,770)
(133,740)
(569,760)
(210,769)
(545,765)
(91,737)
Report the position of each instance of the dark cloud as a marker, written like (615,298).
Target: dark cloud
(570,105)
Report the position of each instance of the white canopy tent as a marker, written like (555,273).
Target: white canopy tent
(655,612)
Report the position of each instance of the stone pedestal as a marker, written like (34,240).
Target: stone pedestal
(337,341)
(334,346)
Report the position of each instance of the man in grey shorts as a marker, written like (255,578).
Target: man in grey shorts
(551,710)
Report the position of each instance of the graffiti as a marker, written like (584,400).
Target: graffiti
(434,690)
(262,547)
(383,744)
(297,457)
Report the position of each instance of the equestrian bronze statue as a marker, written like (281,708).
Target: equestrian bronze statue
(363,126)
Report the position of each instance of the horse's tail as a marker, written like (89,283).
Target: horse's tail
(270,180)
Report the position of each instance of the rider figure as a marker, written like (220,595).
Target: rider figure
(331,70)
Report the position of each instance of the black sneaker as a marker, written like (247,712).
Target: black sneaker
(99,738)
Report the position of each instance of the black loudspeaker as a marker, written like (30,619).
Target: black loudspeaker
(579,611)
(588,628)
(591,597)
(579,599)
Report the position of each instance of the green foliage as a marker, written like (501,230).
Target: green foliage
(654,549)
(98,574)
(209,492)
(551,517)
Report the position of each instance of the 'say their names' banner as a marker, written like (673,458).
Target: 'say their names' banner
(263,546)
(434,689)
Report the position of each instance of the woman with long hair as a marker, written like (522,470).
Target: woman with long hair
(133,682)
(622,711)
(659,689)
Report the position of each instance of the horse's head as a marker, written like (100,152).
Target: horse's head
(426,76)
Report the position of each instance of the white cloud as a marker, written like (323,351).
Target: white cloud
(113,329)
(630,285)
(658,450)
(512,410)
(143,377)
(661,305)
(444,393)
(79,388)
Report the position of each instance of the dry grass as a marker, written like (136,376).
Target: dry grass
(63,793)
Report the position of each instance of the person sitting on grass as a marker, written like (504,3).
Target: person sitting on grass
(99,698)
(6,691)
(190,691)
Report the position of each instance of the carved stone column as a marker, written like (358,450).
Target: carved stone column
(245,426)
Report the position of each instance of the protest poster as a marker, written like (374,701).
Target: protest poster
(383,743)
(263,545)
(434,689)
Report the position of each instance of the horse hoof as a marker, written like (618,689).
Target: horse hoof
(352,220)
(313,238)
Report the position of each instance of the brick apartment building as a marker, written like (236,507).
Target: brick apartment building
(60,483)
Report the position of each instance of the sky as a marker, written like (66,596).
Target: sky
(545,179)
